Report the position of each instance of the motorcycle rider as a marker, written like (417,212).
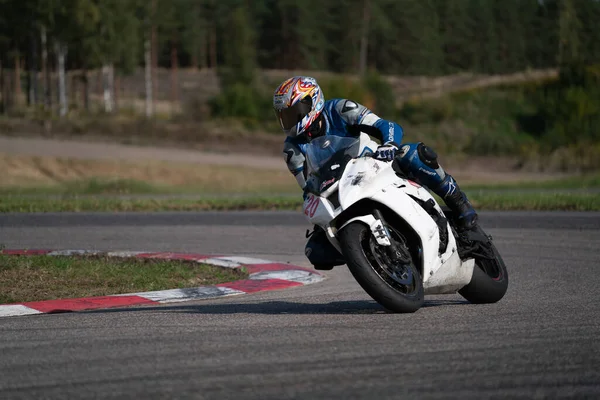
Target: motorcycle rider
(304,115)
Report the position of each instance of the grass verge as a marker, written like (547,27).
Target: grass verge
(590,181)
(482,200)
(35,278)
(536,201)
(120,194)
(126,186)
(119,204)
(91,186)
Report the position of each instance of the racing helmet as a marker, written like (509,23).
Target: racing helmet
(298,103)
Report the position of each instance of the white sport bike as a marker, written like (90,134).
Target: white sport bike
(396,240)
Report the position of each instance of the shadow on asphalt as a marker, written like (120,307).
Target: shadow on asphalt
(279,307)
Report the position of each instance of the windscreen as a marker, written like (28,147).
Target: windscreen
(326,158)
(321,149)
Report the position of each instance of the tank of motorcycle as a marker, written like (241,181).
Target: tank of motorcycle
(362,178)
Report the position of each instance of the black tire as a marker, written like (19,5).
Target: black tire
(489,282)
(357,244)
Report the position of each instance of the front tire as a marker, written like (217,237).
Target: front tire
(399,288)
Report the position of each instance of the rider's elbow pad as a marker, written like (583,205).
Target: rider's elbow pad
(300,179)
(391,132)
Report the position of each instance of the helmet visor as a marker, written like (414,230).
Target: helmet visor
(289,117)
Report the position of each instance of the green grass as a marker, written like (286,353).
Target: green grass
(92,186)
(35,278)
(539,201)
(111,186)
(101,186)
(119,186)
(21,203)
(482,200)
(132,195)
(591,181)
(225,184)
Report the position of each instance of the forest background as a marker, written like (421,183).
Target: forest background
(518,79)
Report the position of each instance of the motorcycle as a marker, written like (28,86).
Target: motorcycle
(397,241)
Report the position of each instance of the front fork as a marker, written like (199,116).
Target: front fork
(396,253)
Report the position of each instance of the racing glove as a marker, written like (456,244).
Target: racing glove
(385,152)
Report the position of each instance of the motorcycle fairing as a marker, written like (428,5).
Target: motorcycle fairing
(442,273)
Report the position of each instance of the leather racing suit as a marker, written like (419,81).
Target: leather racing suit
(344,117)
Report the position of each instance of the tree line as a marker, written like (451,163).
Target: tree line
(398,37)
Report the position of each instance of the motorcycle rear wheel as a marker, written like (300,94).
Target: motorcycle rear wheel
(383,282)
(490,279)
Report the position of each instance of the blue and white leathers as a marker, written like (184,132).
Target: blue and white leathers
(346,118)
(342,118)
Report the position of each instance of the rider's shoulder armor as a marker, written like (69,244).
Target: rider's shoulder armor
(351,112)
(293,154)
(343,113)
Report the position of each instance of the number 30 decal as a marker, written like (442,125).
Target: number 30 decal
(312,203)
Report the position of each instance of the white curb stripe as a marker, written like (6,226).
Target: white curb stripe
(247,260)
(75,252)
(124,253)
(221,262)
(299,276)
(172,295)
(16,309)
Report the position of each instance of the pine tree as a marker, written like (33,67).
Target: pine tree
(510,17)
(424,42)
(588,12)
(68,23)
(456,27)
(116,43)
(194,31)
(390,54)
(569,26)
(485,50)
(239,54)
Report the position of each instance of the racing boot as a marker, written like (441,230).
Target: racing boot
(464,213)
(320,252)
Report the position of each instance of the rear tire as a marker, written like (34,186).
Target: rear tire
(361,252)
(490,280)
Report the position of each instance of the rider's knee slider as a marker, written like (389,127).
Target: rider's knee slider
(428,156)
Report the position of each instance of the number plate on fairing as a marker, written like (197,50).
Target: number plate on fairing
(318,210)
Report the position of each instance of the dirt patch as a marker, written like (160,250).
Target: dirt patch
(91,150)
(215,136)
(30,161)
(24,171)
(492,170)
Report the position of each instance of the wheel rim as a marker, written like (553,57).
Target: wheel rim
(400,277)
(490,268)
(487,261)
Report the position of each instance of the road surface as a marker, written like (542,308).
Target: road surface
(326,340)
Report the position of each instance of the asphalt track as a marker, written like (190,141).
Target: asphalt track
(326,340)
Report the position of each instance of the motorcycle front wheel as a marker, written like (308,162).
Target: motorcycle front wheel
(397,286)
